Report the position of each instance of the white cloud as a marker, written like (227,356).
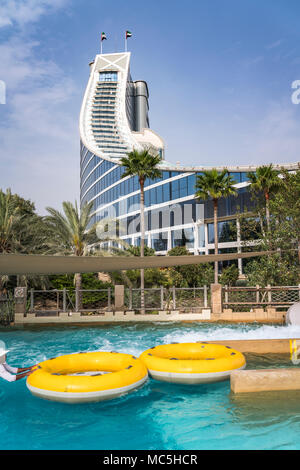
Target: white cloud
(275,138)
(39,155)
(274,44)
(21,12)
(250,62)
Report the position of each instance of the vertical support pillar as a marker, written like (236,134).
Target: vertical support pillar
(269,295)
(77,294)
(31,300)
(109,298)
(130,298)
(257,293)
(205,296)
(64,299)
(216,298)
(239,249)
(119,297)
(20,295)
(174,297)
(206,238)
(226,295)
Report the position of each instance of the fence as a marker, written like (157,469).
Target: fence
(241,299)
(93,300)
(182,299)
(51,302)
(7,308)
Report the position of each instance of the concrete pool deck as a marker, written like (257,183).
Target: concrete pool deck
(270,315)
(265,380)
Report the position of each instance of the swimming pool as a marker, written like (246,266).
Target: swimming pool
(157,416)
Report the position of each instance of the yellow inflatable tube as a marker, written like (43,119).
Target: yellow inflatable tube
(104,375)
(192,363)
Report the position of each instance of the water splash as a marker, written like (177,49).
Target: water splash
(240,332)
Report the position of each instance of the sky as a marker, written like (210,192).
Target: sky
(219,72)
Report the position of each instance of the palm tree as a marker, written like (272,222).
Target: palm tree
(9,219)
(71,234)
(143,165)
(213,184)
(265,180)
(21,231)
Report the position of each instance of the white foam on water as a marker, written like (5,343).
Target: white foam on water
(234,333)
(133,348)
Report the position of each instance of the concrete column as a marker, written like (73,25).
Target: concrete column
(119,297)
(216,298)
(20,295)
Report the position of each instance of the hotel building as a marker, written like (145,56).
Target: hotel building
(114,120)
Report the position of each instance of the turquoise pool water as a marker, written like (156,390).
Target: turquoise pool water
(158,416)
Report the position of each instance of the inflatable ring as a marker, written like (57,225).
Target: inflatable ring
(192,363)
(110,375)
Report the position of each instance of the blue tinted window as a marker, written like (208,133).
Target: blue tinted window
(159,194)
(184,237)
(244,177)
(236,176)
(159,241)
(175,189)
(166,192)
(183,187)
(108,76)
(191,180)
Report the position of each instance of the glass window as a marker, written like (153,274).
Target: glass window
(182,237)
(108,76)
(236,176)
(201,236)
(227,231)
(183,187)
(191,180)
(244,177)
(159,194)
(175,189)
(166,192)
(159,241)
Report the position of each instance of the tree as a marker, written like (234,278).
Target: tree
(285,207)
(265,180)
(21,231)
(282,236)
(229,275)
(194,275)
(144,166)
(70,233)
(215,185)
(275,270)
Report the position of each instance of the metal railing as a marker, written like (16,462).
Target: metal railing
(93,300)
(7,308)
(245,298)
(192,299)
(52,302)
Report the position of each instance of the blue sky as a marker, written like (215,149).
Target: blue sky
(219,74)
